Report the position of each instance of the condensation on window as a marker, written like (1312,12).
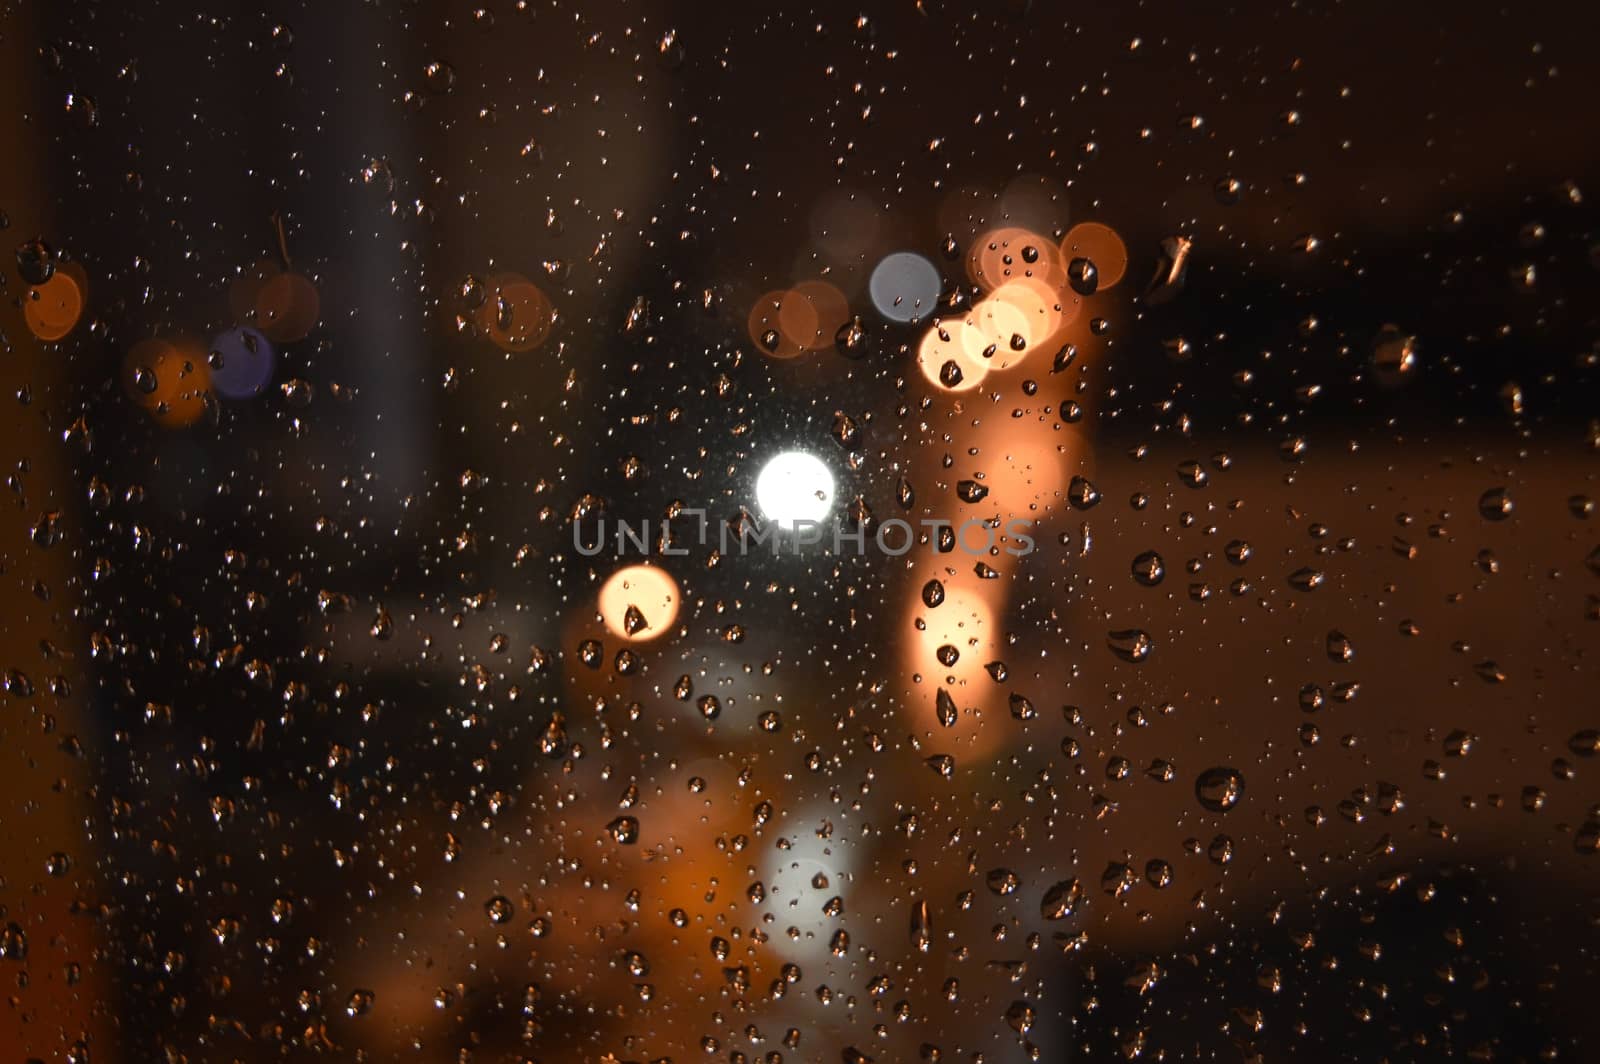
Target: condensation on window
(657,531)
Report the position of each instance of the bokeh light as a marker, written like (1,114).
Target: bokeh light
(169,379)
(1038,312)
(1029,307)
(515,315)
(639,603)
(241,361)
(904,287)
(793,487)
(1013,253)
(766,324)
(827,306)
(964,625)
(950,355)
(1101,245)
(787,323)
(51,310)
(287,307)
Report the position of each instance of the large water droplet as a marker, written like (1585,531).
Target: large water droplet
(1219,789)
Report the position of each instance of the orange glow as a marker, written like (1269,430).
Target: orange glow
(287,307)
(947,342)
(1043,310)
(997,327)
(797,321)
(787,323)
(1019,318)
(967,621)
(52,309)
(1024,464)
(639,603)
(1025,469)
(170,380)
(516,315)
(1003,255)
(763,326)
(1100,245)
(828,309)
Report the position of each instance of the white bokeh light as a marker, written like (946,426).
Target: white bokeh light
(904,287)
(794,487)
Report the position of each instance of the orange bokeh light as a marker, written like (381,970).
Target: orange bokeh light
(947,342)
(515,315)
(967,622)
(788,322)
(639,603)
(52,310)
(169,379)
(828,307)
(1101,245)
(1013,253)
(1043,309)
(765,324)
(287,307)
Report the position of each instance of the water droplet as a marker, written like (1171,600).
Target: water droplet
(1306,579)
(1082,276)
(1061,900)
(359,1003)
(1149,569)
(1495,504)
(1193,475)
(624,829)
(921,926)
(846,430)
(382,624)
(35,262)
(1131,644)
(1082,494)
(1219,789)
(440,77)
(1021,708)
(851,339)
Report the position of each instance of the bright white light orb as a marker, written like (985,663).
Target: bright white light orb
(794,487)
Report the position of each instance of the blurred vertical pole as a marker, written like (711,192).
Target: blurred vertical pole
(55,991)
